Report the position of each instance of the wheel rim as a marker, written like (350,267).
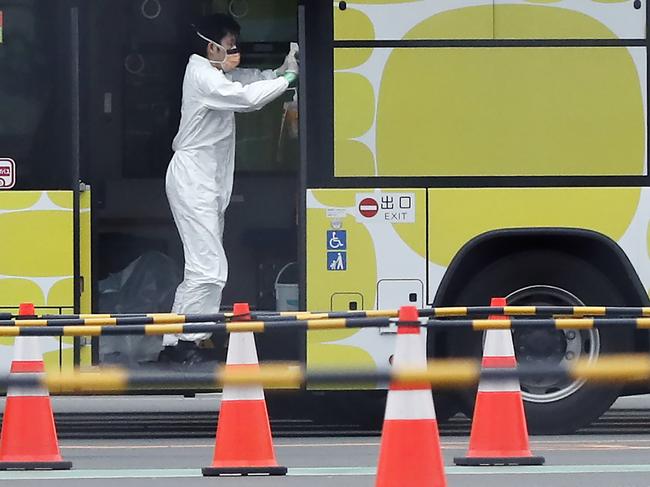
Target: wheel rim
(551,347)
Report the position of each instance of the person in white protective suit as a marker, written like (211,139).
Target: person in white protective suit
(200,175)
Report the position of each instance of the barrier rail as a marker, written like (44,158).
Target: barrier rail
(7,319)
(107,327)
(24,327)
(441,373)
(556,323)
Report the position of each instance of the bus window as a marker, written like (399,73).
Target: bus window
(154,60)
(34,93)
(484,109)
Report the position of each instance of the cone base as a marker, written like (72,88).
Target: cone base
(216,471)
(35,465)
(410,454)
(482,461)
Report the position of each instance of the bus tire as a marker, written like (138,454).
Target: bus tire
(548,277)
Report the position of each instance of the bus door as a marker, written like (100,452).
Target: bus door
(136,55)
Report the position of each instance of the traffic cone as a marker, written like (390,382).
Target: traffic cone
(243,444)
(410,452)
(28,440)
(499,433)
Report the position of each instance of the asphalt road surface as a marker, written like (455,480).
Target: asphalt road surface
(613,452)
(594,460)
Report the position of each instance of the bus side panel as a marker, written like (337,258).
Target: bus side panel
(38,263)
(350,256)
(458,215)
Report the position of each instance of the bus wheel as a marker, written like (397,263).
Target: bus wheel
(552,406)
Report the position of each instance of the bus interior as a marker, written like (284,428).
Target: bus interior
(112,71)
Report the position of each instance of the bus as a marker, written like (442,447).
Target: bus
(443,153)
(473,149)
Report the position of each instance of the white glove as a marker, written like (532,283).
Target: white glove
(282,69)
(292,63)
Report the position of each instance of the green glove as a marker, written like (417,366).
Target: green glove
(290,76)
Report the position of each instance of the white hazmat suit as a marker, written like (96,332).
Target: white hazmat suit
(200,175)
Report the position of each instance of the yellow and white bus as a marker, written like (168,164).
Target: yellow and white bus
(450,151)
(460,150)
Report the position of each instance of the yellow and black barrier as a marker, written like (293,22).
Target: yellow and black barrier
(553,323)
(101,327)
(171,318)
(166,318)
(107,327)
(440,373)
(7,319)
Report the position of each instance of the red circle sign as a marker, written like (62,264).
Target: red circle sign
(368,207)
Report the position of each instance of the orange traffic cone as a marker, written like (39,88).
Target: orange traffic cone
(244,444)
(410,452)
(28,440)
(499,433)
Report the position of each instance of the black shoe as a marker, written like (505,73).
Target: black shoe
(167,355)
(215,350)
(186,353)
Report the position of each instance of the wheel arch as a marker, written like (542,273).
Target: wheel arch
(593,248)
(587,245)
(561,256)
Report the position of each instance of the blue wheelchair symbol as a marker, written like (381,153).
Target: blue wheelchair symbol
(337,240)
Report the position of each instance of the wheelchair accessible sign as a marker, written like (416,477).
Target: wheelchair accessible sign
(337,247)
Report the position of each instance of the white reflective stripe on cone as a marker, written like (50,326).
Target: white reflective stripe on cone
(498,343)
(411,350)
(27,391)
(27,349)
(416,404)
(488,385)
(242,393)
(241,349)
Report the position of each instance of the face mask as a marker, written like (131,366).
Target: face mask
(231,59)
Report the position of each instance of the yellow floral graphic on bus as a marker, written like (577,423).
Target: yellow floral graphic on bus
(486,111)
(38,261)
